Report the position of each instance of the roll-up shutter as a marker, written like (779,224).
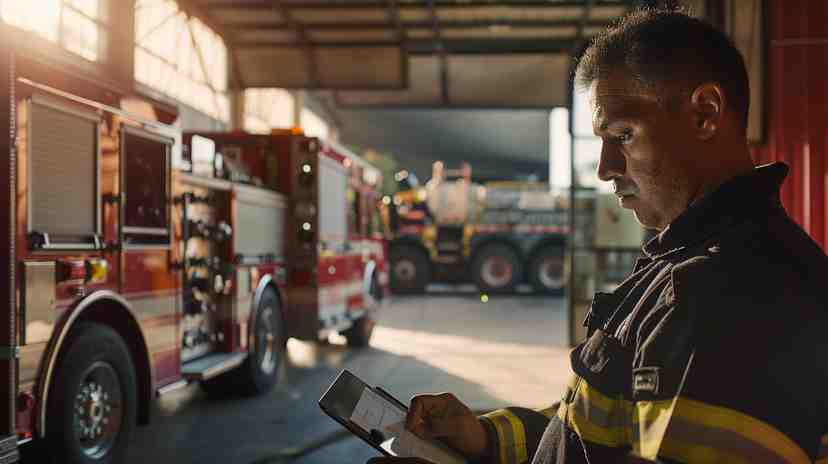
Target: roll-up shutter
(333,205)
(260,222)
(63,172)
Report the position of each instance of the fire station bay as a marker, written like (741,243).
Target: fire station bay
(215,208)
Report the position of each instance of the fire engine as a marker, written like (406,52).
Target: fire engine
(142,259)
(499,234)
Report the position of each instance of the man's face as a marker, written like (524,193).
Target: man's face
(646,150)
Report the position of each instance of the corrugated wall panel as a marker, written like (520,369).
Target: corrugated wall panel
(798,109)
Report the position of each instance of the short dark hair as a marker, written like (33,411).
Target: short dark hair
(670,53)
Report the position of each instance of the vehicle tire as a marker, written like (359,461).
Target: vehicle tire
(359,334)
(496,269)
(547,272)
(93,401)
(260,371)
(410,271)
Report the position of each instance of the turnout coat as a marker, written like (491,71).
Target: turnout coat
(715,349)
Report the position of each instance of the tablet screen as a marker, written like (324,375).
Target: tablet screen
(381,421)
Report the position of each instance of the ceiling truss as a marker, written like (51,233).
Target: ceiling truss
(367,50)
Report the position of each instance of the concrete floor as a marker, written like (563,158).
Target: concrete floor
(508,351)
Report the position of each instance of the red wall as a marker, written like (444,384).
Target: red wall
(797,108)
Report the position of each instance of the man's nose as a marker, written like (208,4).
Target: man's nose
(611,163)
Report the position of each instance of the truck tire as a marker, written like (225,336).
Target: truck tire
(410,272)
(93,401)
(496,269)
(547,272)
(359,334)
(260,371)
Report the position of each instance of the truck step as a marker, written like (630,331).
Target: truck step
(448,259)
(211,365)
(449,246)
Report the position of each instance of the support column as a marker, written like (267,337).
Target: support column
(237,109)
(120,41)
(298,104)
(8,315)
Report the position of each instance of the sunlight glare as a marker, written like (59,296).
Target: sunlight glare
(41,17)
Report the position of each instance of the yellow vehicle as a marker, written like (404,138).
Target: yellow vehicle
(498,235)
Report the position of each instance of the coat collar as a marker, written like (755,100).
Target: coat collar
(735,200)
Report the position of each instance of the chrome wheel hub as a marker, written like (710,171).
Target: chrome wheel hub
(266,342)
(405,270)
(97,410)
(496,272)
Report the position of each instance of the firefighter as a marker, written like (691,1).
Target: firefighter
(714,348)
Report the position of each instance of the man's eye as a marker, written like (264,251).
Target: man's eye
(625,136)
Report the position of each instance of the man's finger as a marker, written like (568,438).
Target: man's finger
(420,410)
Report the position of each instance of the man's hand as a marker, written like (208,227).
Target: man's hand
(445,418)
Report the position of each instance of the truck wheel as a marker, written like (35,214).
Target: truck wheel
(93,402)
(409,270)
(359,334)
(259,372)
(496,269)
(548,271)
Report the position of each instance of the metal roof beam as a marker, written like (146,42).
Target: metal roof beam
(584,18)
(363,25)
(382,4)
(393,18)
(303,42)
(191,8)
(439,49)
(449,46)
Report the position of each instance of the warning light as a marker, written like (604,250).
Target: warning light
(306,168)
(484,298)
(96,271)
(306,226)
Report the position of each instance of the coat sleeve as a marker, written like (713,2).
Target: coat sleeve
(514,433)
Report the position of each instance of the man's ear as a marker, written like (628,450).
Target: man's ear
(708,106)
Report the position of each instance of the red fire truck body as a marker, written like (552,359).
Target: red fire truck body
(334,246)
(131,277)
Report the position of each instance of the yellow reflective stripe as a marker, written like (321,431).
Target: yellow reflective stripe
(521,455)
(649,427)
(680,428)
(511,438)
(690,430)
(596,417)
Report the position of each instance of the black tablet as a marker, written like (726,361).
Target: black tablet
(378,418)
